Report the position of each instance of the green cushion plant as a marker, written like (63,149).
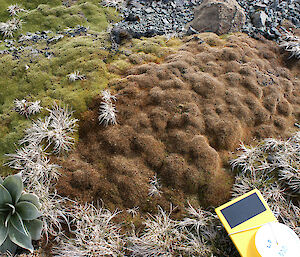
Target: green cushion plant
(18,216)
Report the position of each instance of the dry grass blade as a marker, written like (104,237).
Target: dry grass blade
(95,233)
(275,171)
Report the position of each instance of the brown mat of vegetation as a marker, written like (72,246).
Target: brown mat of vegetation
(180,120)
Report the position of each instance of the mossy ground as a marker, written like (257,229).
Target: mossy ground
(53,15)
(46,79)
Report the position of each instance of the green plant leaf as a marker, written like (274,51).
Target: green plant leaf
(7,220)
(5,196)
(8,245)
(31,198)
(17,223)
(1,180)
(3,230)
(14,185)
(19,238)
(27,210)
(34,228)
(4,209)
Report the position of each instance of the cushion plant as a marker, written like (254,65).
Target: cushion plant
(18,216)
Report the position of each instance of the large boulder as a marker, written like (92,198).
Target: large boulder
(218,16)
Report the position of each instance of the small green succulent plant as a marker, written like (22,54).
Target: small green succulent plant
(18,216)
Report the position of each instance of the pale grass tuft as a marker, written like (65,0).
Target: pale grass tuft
(273,167)
(95,233)
(34,164)
(107,114)
(107,109)
(57,130)
(54,209)
(164,236)
(8,28)
(62,128)
(15,9)
(272,158)
(154,188)
(75,76)
(27,108)
(107,96)
(201,221)
(133,211)
(291,43)
(39,175)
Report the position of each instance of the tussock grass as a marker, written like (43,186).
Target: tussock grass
(273,167)
(95,233)
(291,44)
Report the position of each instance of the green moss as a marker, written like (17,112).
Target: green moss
(120,66)
(4,15)
(225,36)
(26,4)
(211,39)
(46,79)
(150,46)
(156,48)
(52,15)
(174,42)
(95,2)
(60,17)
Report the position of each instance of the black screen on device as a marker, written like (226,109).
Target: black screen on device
(243,210)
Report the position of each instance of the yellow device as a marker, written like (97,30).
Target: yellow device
(242,217)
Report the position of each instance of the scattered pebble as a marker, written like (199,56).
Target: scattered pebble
(264,17)
(170,17)
(27,41)
(150,18)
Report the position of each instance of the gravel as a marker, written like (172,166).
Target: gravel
(149,18)
(169,17)
(275,12)
(26,42)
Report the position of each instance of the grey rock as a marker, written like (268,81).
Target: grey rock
(219,16)
(191,31)
(164,11)
(260,6)
(173,4)
(149,10)
(132,17)
(165,21)
(275,32)
(259,19)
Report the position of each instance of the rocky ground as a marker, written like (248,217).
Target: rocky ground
(266,17)
(148,18)
(271,19)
